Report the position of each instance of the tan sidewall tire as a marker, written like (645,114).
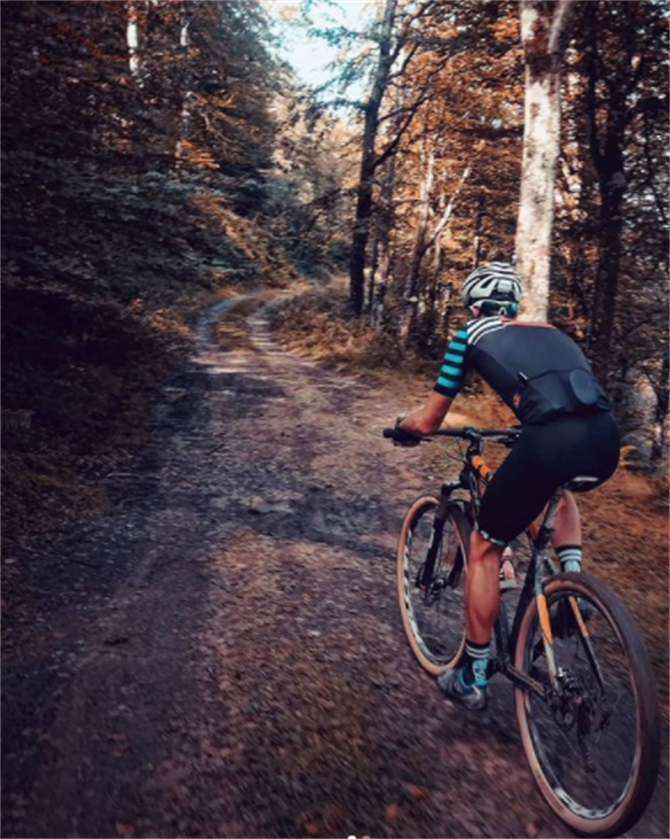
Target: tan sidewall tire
(640,789)
(427,665)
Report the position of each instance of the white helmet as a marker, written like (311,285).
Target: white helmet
(495,281)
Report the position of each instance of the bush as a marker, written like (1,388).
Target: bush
(321,325)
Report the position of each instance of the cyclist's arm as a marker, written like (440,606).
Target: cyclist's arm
(428,419)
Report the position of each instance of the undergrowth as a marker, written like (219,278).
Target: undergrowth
(321,325)
(80,378)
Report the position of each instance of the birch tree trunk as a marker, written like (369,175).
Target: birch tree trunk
(133,41)
(185,17)
(543,30)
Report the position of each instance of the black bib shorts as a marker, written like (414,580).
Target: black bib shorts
(546,457)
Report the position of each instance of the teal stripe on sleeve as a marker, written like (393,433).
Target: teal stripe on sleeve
(450,376)
(448,383)
(451,371)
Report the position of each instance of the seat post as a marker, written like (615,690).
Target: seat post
(547,526)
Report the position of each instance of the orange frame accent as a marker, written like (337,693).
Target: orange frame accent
(545,623)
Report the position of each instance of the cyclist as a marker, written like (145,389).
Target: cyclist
(567,430)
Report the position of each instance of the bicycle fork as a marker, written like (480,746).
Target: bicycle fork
(425,577)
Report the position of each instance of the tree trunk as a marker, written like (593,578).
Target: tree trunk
(543,29)
(477,239)
(409,297)
(374,265)
(612,187)
(658,448)
(133,41)
(363,214)
(608,160)
(368,163)
(185,17)
(385,222)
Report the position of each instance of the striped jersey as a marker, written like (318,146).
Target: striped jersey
(537,371)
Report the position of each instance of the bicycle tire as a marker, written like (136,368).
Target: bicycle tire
(436,633)
(621,655)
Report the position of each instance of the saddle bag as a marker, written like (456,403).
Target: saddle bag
(558,393)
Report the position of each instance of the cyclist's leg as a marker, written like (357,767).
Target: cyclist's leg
(467,684)
(482,588)
(567,536)
(514,497)
(567,542)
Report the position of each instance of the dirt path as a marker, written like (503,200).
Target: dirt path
(221,655)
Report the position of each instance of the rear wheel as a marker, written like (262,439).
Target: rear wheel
(593,746)
(433,614)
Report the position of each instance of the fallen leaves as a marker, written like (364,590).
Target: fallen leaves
(391,812)
(531,829)
(416,792)
(121,745)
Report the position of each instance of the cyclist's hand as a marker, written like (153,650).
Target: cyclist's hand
(405,438)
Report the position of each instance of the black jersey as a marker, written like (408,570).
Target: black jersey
(535,369)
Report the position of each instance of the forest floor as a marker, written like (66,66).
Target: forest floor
(221,653)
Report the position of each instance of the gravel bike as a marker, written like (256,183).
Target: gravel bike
(585,697)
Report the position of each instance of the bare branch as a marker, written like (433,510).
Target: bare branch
(560,26)
(401,38)
(393,145)
(448,210)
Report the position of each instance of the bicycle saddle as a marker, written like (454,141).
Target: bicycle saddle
(581,483)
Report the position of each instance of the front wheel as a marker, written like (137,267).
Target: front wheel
(593,741)
(432,603)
